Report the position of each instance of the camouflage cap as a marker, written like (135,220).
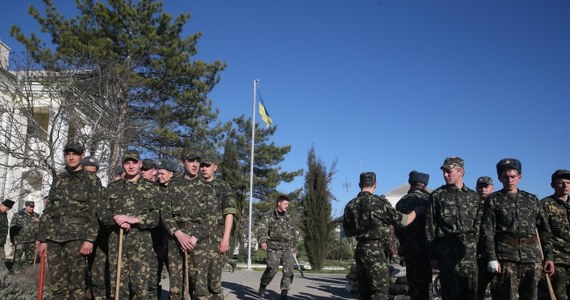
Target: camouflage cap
(416,176)
(132,155)
(168,165)
(8,203)
(562,173)
(190,154)
(148,164)
(367,179)
(74,146)
(211,157)
(509,164)
(30,203)
(452,162)
(90,161)
(484,180)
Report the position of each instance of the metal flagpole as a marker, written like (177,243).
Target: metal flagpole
(251,175)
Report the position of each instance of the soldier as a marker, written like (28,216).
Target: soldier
(148,170)
(413,238)
(23,231)
(375,217)
(512,218)
(90,164)
(277,236)
(5,206)
(557,209)
(68,227)
(182,214)
(484,187)
(452,229)
(134,208)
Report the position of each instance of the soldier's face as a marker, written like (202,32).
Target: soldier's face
(561,186)
(3,208)
(282,206)
(73,159)
(29,209)
(164,176)
(208,171)
(453,176)
(149,174)
(132,168)
(510,179)
(192,166)
(485,190)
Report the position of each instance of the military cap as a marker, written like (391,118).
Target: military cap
(211,157)
(132,155)
(90,161)
(74,146)
(452,162)
(367,179)
(30,203)
(8,203)
(484,180)
(148,164)
(509,164)
(565,174)
(191,154)
(167,165)
(416,176)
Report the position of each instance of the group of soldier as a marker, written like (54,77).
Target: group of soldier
(506,240)
(124,234)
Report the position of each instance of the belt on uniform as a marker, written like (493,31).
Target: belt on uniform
(68,220)
(280,241)
(518,241)
(370,242)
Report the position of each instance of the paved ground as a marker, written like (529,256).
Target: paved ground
(243,284)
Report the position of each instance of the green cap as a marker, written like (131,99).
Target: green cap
(132,155)
(74,146)
(452,162)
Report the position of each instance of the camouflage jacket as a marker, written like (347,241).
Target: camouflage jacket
(70,212)
(3,228)
(219,201)
(24,227)
(454,213)
(558,216)
(277,230)
(514,216)
(378,214)
(413,237)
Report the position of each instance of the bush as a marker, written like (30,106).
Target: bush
(341,250)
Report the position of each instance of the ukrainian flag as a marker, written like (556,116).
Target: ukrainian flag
(264,113)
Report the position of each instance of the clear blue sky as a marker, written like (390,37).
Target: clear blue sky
(391,86)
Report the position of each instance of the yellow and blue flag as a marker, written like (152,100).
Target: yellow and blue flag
(264,113)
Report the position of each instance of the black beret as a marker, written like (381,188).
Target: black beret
(8,203)
(367,179)
(416,176)
(507,164)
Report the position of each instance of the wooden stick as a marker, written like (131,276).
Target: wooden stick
(118,278)
(42,273)
(186,278)
(548,283)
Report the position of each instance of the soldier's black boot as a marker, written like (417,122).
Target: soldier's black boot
(233,265)
(283,295)
(261,292)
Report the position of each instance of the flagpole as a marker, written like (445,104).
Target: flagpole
(251,175)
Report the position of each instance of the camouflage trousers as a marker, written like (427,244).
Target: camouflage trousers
(516,281)
(561,281)
(274,258)
(66,269)
(206,266)
(372,271)
(419,275)
(133,282)
(28,250)
(176,267)
(457,268)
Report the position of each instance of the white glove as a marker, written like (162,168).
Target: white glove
(493,266)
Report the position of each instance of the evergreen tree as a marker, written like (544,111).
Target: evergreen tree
(316,204)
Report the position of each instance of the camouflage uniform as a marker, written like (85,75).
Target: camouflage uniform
(277,230)
(371,264)
(23,231)
(69,219)
(413,245)
(509,229)
(3,234)
(138,198)
(558,216)
(452,229)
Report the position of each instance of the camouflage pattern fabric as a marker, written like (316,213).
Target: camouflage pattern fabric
(3,234)
(452,231)
(558,215)
(377,214)
(68,220)
(413,245)
(99,265)
(516,281)
(277,230)
(483,275)
(515,216)
(137,198)
(23,231)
